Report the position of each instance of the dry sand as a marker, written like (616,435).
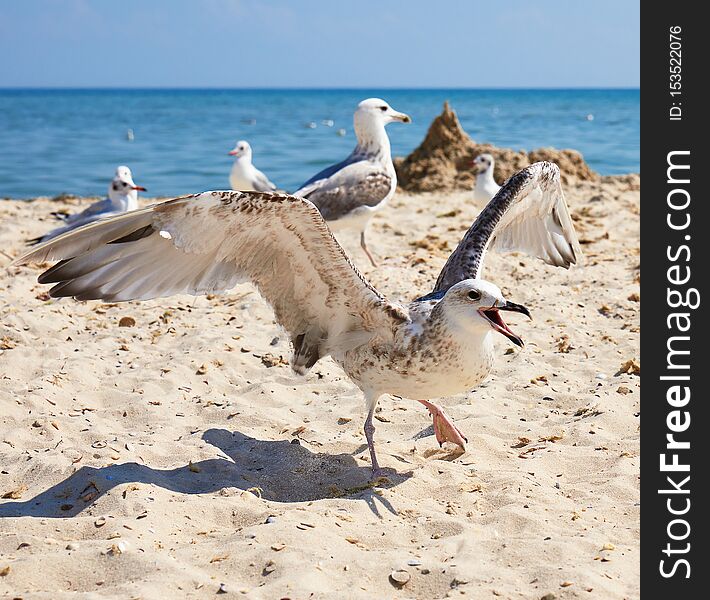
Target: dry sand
(163,459)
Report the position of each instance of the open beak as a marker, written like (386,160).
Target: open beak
(139,188)
(492,315)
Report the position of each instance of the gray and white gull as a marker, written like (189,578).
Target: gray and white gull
(349,193)
(122,197)
(437,345)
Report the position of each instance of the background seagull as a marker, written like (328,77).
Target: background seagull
(438,345)
(244,175)
(350,192)
(122,197)
(485,187)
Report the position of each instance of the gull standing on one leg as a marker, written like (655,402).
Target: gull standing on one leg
(122,197)
(485,187)
(350,192)
(438,345)
(244,176)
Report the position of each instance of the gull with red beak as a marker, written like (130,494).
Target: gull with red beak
(244,176)
(349,193)
(122,197)
(438,345)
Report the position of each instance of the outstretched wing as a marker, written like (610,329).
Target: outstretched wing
(528,214)
(347,187)
(212,241)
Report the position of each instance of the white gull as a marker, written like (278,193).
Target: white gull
(485,187)
(244,176)
(122,197)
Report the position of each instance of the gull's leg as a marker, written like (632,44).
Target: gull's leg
(444,428)
(370,434)
(370,437)
(363,245)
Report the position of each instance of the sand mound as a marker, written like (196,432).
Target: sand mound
(571,163)
(442,162)
(628,182)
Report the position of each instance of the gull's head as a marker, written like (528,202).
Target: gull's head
(483,163)
(374,112)
(474,305)
(122,184)
(241,148)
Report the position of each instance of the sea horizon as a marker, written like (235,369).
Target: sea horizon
(69,140)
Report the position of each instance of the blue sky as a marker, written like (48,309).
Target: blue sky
(319,43)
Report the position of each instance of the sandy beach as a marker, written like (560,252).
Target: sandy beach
(165,449)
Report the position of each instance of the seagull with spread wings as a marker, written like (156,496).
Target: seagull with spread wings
(349,193)
(438,345)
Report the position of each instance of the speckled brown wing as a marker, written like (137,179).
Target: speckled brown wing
(528,214)
(358,184)
(212,241)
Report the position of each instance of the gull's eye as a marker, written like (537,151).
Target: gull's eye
(383,108)
(474,295)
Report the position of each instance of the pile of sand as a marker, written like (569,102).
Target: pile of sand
(442,162)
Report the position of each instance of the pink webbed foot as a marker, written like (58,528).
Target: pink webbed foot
(444,428)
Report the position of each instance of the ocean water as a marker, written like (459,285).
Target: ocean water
(70,141)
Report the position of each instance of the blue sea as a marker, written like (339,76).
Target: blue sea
(70,141)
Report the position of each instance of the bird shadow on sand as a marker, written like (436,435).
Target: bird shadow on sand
(279,471)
